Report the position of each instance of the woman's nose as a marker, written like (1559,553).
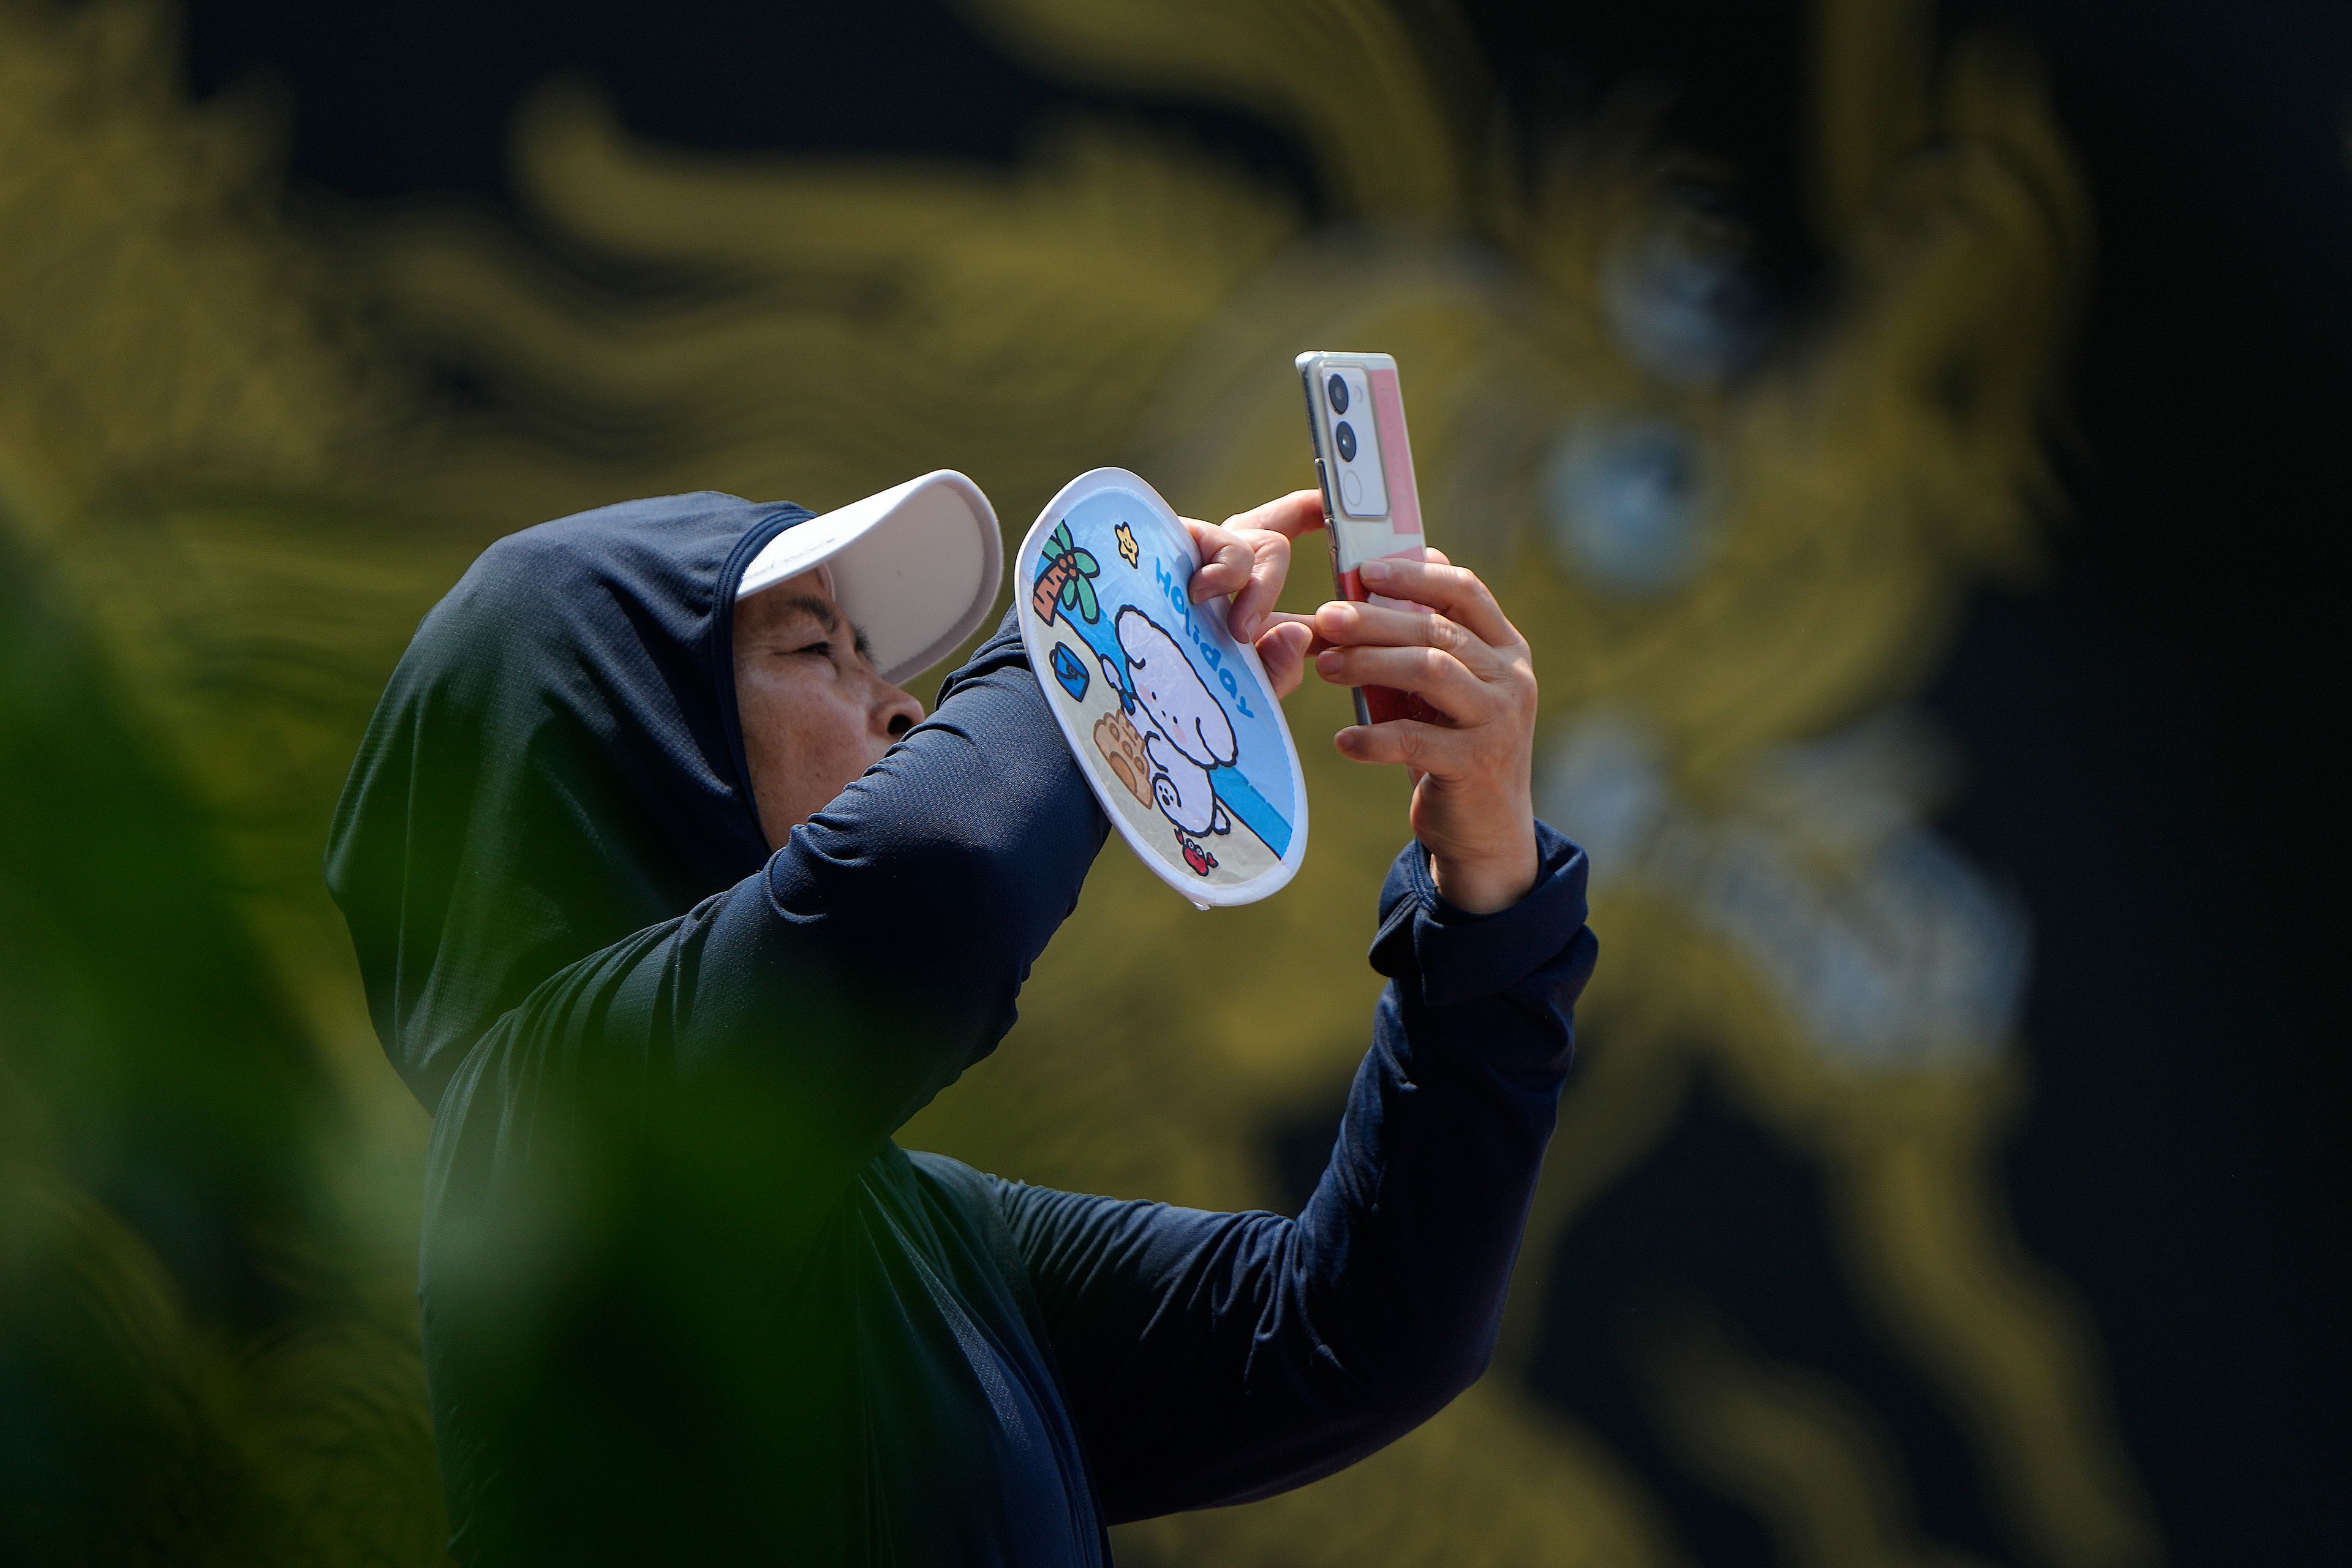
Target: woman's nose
(898,713)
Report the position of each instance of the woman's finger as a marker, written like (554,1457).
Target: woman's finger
(1442,680)
(1285,618)
(1452,590)
(1300,511)
(1347,624)
(1225,560)
(1431,749)
(1282,648)
(1269,568)
(1269,529)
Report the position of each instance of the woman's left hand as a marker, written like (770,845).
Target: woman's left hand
(1473,793)
(1249,557)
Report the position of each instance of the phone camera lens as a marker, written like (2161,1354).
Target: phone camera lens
(1337,387)
(1343,435)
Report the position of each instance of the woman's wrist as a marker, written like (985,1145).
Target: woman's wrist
(1483,884)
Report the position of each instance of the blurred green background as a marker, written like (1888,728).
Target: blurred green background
(1913,439)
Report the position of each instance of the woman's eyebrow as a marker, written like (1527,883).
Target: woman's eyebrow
(826,614)
(818,610)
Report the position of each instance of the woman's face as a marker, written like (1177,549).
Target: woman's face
(816,713)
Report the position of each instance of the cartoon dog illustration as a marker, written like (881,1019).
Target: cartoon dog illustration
(1189,732)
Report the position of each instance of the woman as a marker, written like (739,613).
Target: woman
(672,910)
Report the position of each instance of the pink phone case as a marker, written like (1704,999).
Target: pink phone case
(1370,505)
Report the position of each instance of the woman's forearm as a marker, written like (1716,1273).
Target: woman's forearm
(1213,1358)
(880,950)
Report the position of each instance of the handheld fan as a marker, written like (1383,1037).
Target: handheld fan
(1171,718)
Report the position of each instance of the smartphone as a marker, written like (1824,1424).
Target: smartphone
(1363,463)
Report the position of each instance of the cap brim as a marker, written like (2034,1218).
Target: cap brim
(915,568)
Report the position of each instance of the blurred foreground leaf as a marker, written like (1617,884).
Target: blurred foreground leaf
(193,1366)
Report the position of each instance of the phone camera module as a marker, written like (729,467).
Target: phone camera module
(1337,389)
(1343,435)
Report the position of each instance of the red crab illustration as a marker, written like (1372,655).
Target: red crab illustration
(1199,859)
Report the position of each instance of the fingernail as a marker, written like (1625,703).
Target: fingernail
(1375,571)
(1327,662)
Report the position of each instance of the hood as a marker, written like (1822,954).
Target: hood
(556,763)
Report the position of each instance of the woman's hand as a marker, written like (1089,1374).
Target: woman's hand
(1472,796)
(1249,557)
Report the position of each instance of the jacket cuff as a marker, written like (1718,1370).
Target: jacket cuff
(1441,954)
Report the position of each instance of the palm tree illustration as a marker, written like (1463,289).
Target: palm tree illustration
(1067,583)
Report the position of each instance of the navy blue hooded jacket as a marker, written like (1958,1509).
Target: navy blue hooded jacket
(684,1300)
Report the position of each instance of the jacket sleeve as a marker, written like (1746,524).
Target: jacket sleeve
(1216,1358)
(826,998)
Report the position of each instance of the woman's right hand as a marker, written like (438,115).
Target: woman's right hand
(1249,557)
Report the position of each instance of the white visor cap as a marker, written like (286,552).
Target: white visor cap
(915,568)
